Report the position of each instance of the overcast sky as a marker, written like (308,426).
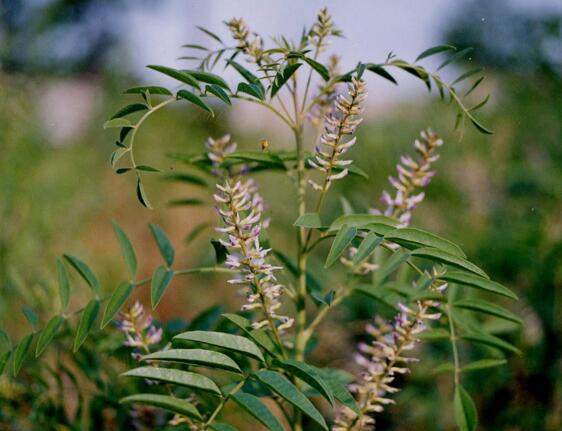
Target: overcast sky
(372,28)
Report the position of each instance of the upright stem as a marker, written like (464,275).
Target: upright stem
(302,253)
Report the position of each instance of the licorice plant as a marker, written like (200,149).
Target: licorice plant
(258,364)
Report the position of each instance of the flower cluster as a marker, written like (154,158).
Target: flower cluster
(139,329)
(412,175)
(218,149)
(240,209)
(241,33)
(321,29)
(382,360)
(341,122)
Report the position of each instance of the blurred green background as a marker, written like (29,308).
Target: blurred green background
(64,63)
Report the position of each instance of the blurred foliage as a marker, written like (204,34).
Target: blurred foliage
(500,196)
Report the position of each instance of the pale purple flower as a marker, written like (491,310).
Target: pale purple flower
(412,174)
(342,121)
(139,330)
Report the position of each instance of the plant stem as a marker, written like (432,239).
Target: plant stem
(223,402)
(453,339)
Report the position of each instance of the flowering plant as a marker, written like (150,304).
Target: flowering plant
(260,359)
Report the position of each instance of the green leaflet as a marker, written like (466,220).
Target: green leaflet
(251,89)
(86,323)
(20,353)
(151,89)
(164,245)
(490,340)
(160,281)
(176,377)
(416,238)
(435,50)
(483,364)
(219,92)
(118,298)
(178,75)
(255,407)
(165,402)
(487,308)
(361,221)
(260,336)
(366,247)
(343,239)
(196,100)
(208,77)
(129,109)
(85,272)
(392,264)
(117,123)
(474,281)
(309,220)
(4,358)
(289,392)
(310,375)
(127,250)
(141,195)
(31,316)
(449,259)
(64,285)
(235,343)
(201,357)
(465,410)
(48,333)
(282,77)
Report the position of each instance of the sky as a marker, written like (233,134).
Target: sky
(372,28)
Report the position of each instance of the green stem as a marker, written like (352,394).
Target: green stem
(223,402)
(453,339)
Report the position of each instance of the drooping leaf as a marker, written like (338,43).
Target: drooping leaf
(20,353)
(196,100)
(146,168)
(310,375)
(235,343)
(466,75)
(48,333)
(64,285)
(118,298)
(5,341)
(160,281)
(148,89)
(282,77)
(220,251)
(279,384)
(84,271)
(208,77)
(219,92)
(490,340)
(257,156)
(361,220)
(486,307)
(210,34)
(381,71)
(378,294)
(187,178)
(165,402)
(141,195)
(31,316)
(436,334)
(117,154)
(343,239)
(255,407)
(367,246)
(435,50)
(253,90)
(178,75)
(309,220)
(176,377)
(186,202)
(454,57)
(474,281)
(199,357)
(483,364)
(117,123)
(465,410)
(246,74)
(448,259)
(164,245)
(416,238)
(86,323)
(129,109)
(338,387)
(127,250)
(316,66)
